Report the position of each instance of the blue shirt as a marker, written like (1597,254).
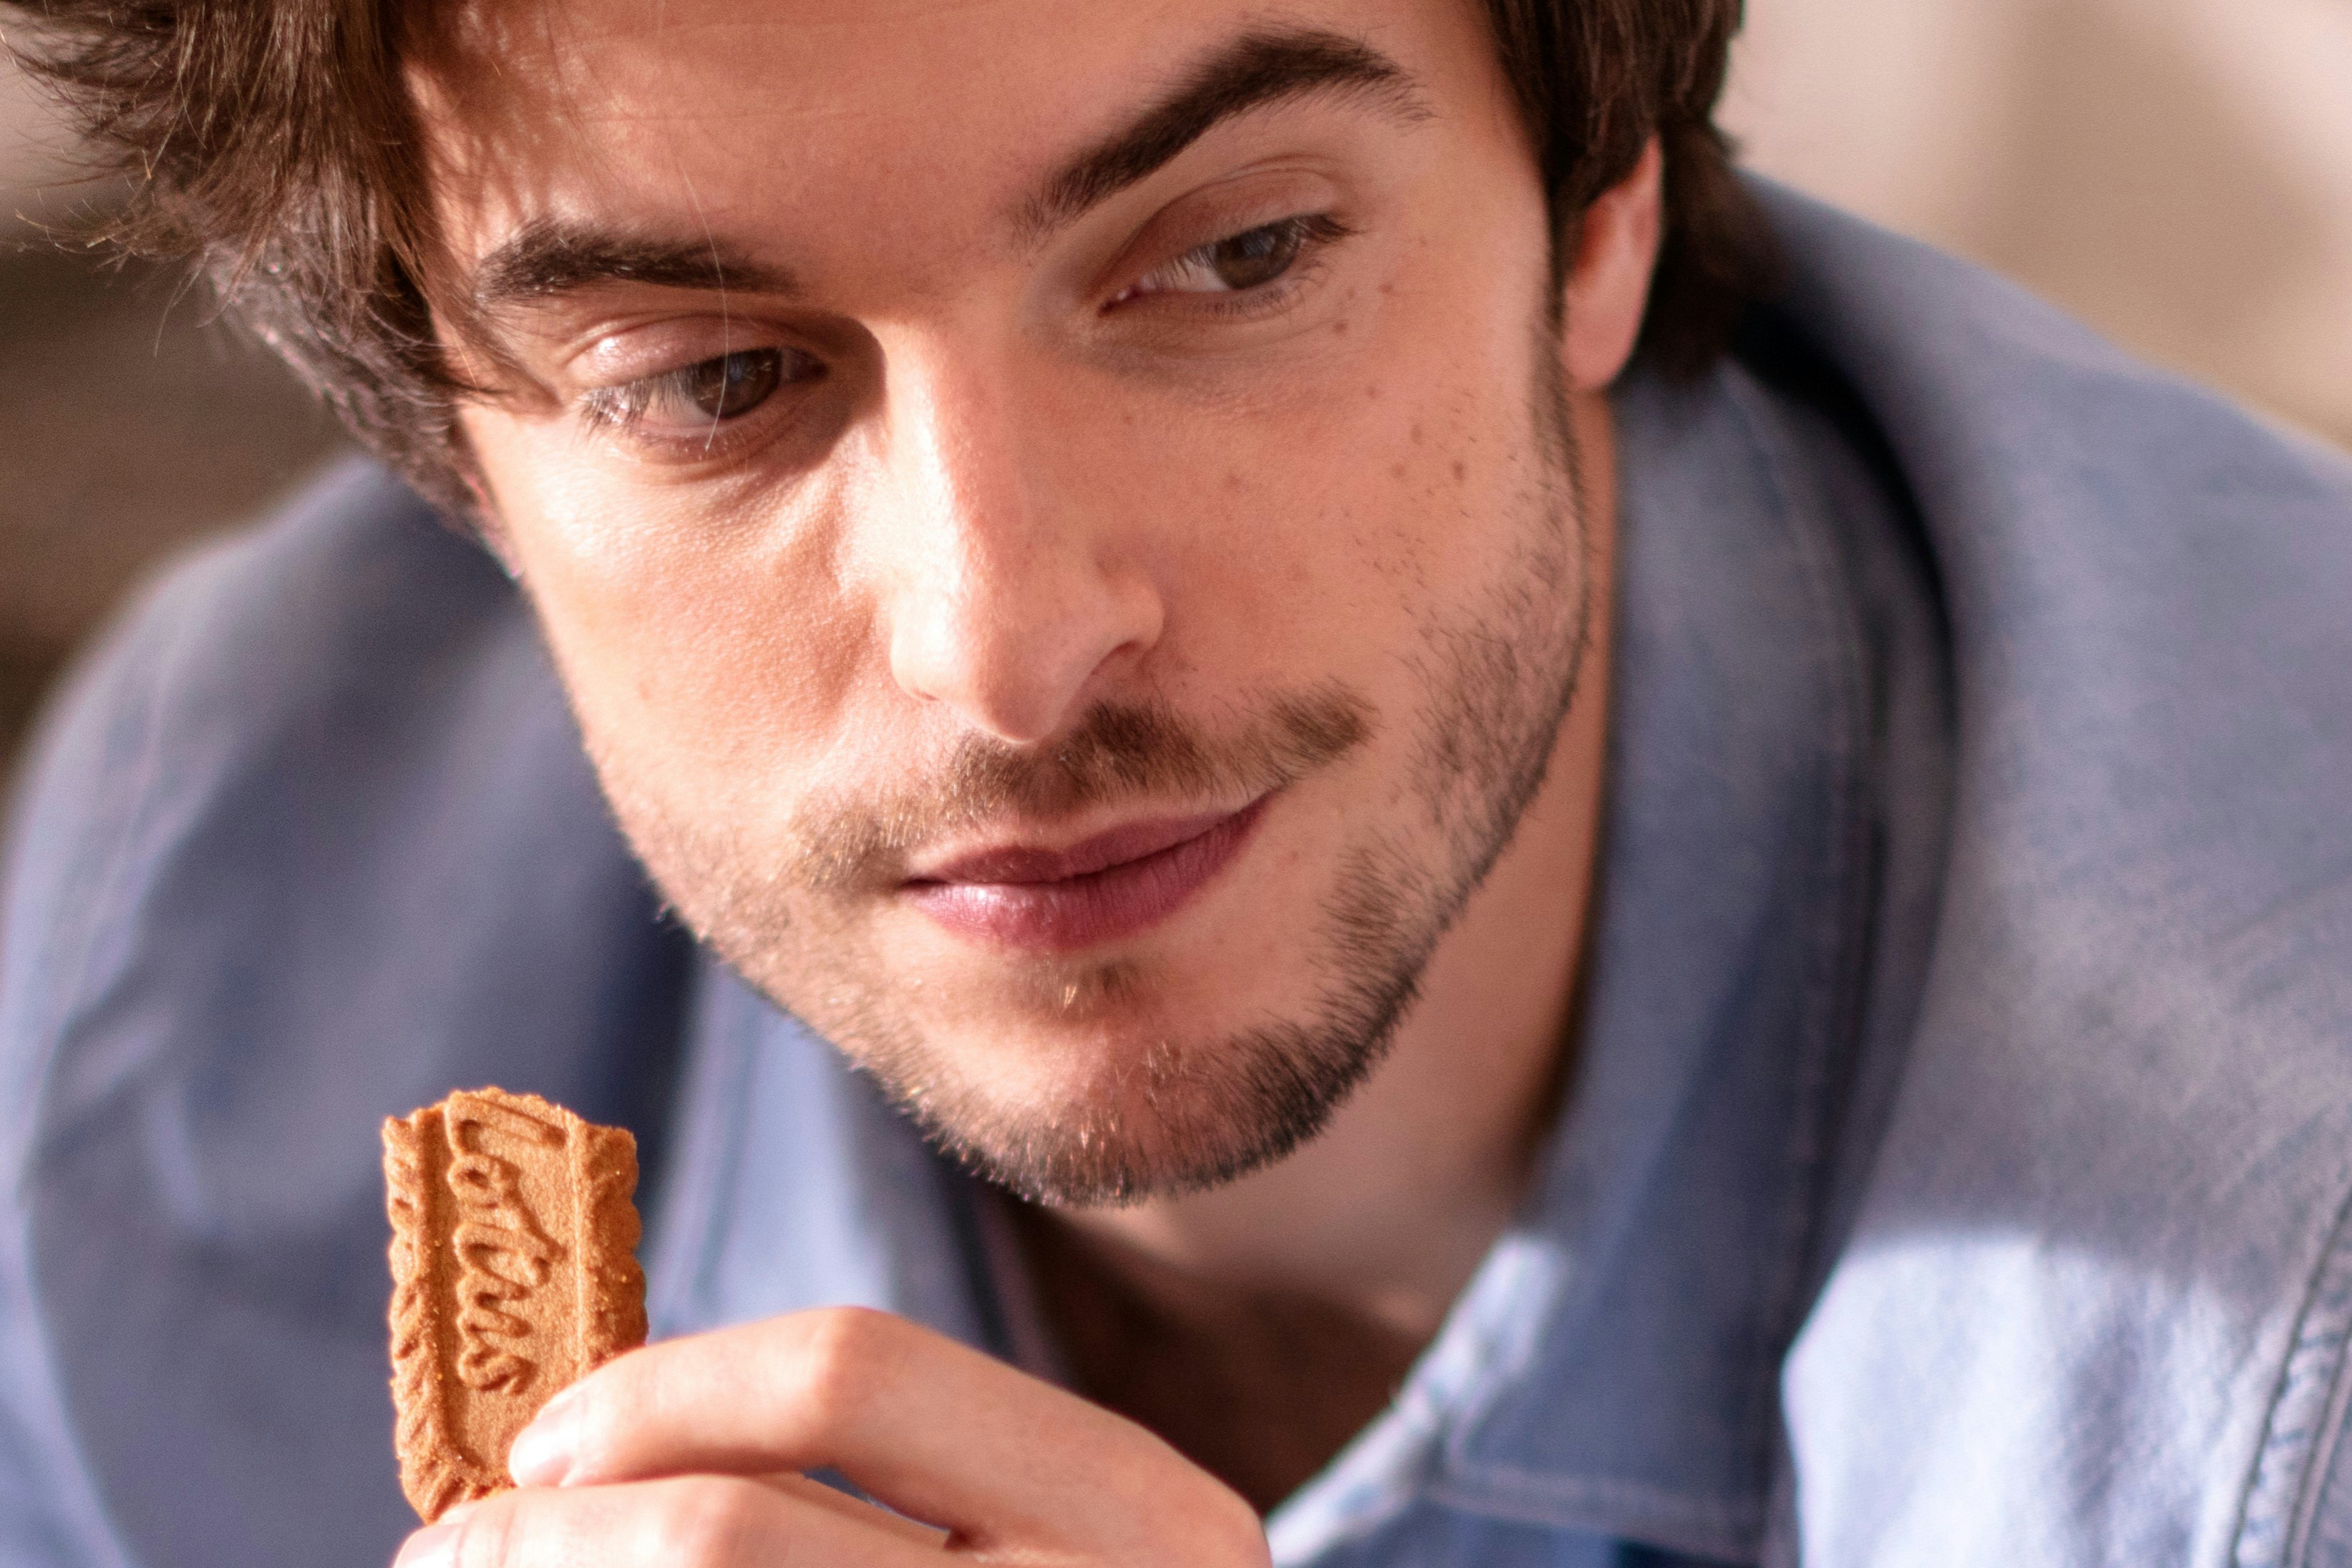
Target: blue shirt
(1956,1165)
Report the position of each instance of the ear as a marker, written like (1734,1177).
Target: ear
(1607,289)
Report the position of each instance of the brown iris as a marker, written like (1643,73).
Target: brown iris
(1257,257)
(734,383)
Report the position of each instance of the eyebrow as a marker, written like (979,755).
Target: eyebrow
(549,258)
(1255,71)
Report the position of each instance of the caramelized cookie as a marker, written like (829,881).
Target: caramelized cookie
(514,1272)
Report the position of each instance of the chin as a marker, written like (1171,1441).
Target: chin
(1112,1109)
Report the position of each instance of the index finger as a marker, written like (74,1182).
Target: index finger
(933,1429)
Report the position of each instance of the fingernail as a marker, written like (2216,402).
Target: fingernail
(435,1546)
(543,1452)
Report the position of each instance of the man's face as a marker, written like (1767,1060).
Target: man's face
(1055,516)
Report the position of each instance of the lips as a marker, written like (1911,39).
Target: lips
(1098,890)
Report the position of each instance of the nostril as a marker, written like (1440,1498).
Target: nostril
(1018,661)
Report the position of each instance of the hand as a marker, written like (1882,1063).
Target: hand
(686,1454)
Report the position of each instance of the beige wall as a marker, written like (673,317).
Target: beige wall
(2180,172)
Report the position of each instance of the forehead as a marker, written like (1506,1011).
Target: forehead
(709,112)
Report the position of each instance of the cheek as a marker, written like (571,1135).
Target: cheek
(1336,524)
(698,633)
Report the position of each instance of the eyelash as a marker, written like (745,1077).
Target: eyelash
(1316,233)
(623,409)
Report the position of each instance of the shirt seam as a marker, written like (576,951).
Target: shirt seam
(1732,1521)
(1712,1526)
(1838,966)
(2305,1417)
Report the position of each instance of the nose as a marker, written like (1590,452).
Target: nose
(1010,600)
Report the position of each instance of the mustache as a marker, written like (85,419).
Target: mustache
(1118,751)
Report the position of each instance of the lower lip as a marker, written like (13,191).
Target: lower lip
(1087,911)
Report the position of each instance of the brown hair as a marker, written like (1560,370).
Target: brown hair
(273,143)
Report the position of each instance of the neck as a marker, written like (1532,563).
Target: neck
(1364,1238)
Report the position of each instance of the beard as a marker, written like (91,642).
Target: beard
(1496,672)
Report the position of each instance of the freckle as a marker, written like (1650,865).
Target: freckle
(1396,470)
(1416,435)
(1373,393)
(1388,288)
(1233,480)
(1461,469)
(1338,329)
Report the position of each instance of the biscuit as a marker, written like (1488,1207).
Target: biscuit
(514,1271)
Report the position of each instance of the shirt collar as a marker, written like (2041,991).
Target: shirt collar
(1611,1367)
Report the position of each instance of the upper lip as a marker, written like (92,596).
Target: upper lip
(1019,863)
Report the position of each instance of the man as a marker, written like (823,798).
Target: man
(1518,939)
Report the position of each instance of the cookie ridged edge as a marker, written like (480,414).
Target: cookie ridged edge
(433,1475)
(604,1178)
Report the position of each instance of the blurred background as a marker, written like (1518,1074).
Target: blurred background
(2177,172)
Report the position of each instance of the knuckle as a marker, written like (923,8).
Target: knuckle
(489,1537)
(842,1361)
(1235,1533)
(1217,1525)
(709,1523)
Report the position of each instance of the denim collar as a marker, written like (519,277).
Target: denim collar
(1611,1369)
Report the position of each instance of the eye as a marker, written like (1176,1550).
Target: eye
(696,400)
(734,383)
(1250,259)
